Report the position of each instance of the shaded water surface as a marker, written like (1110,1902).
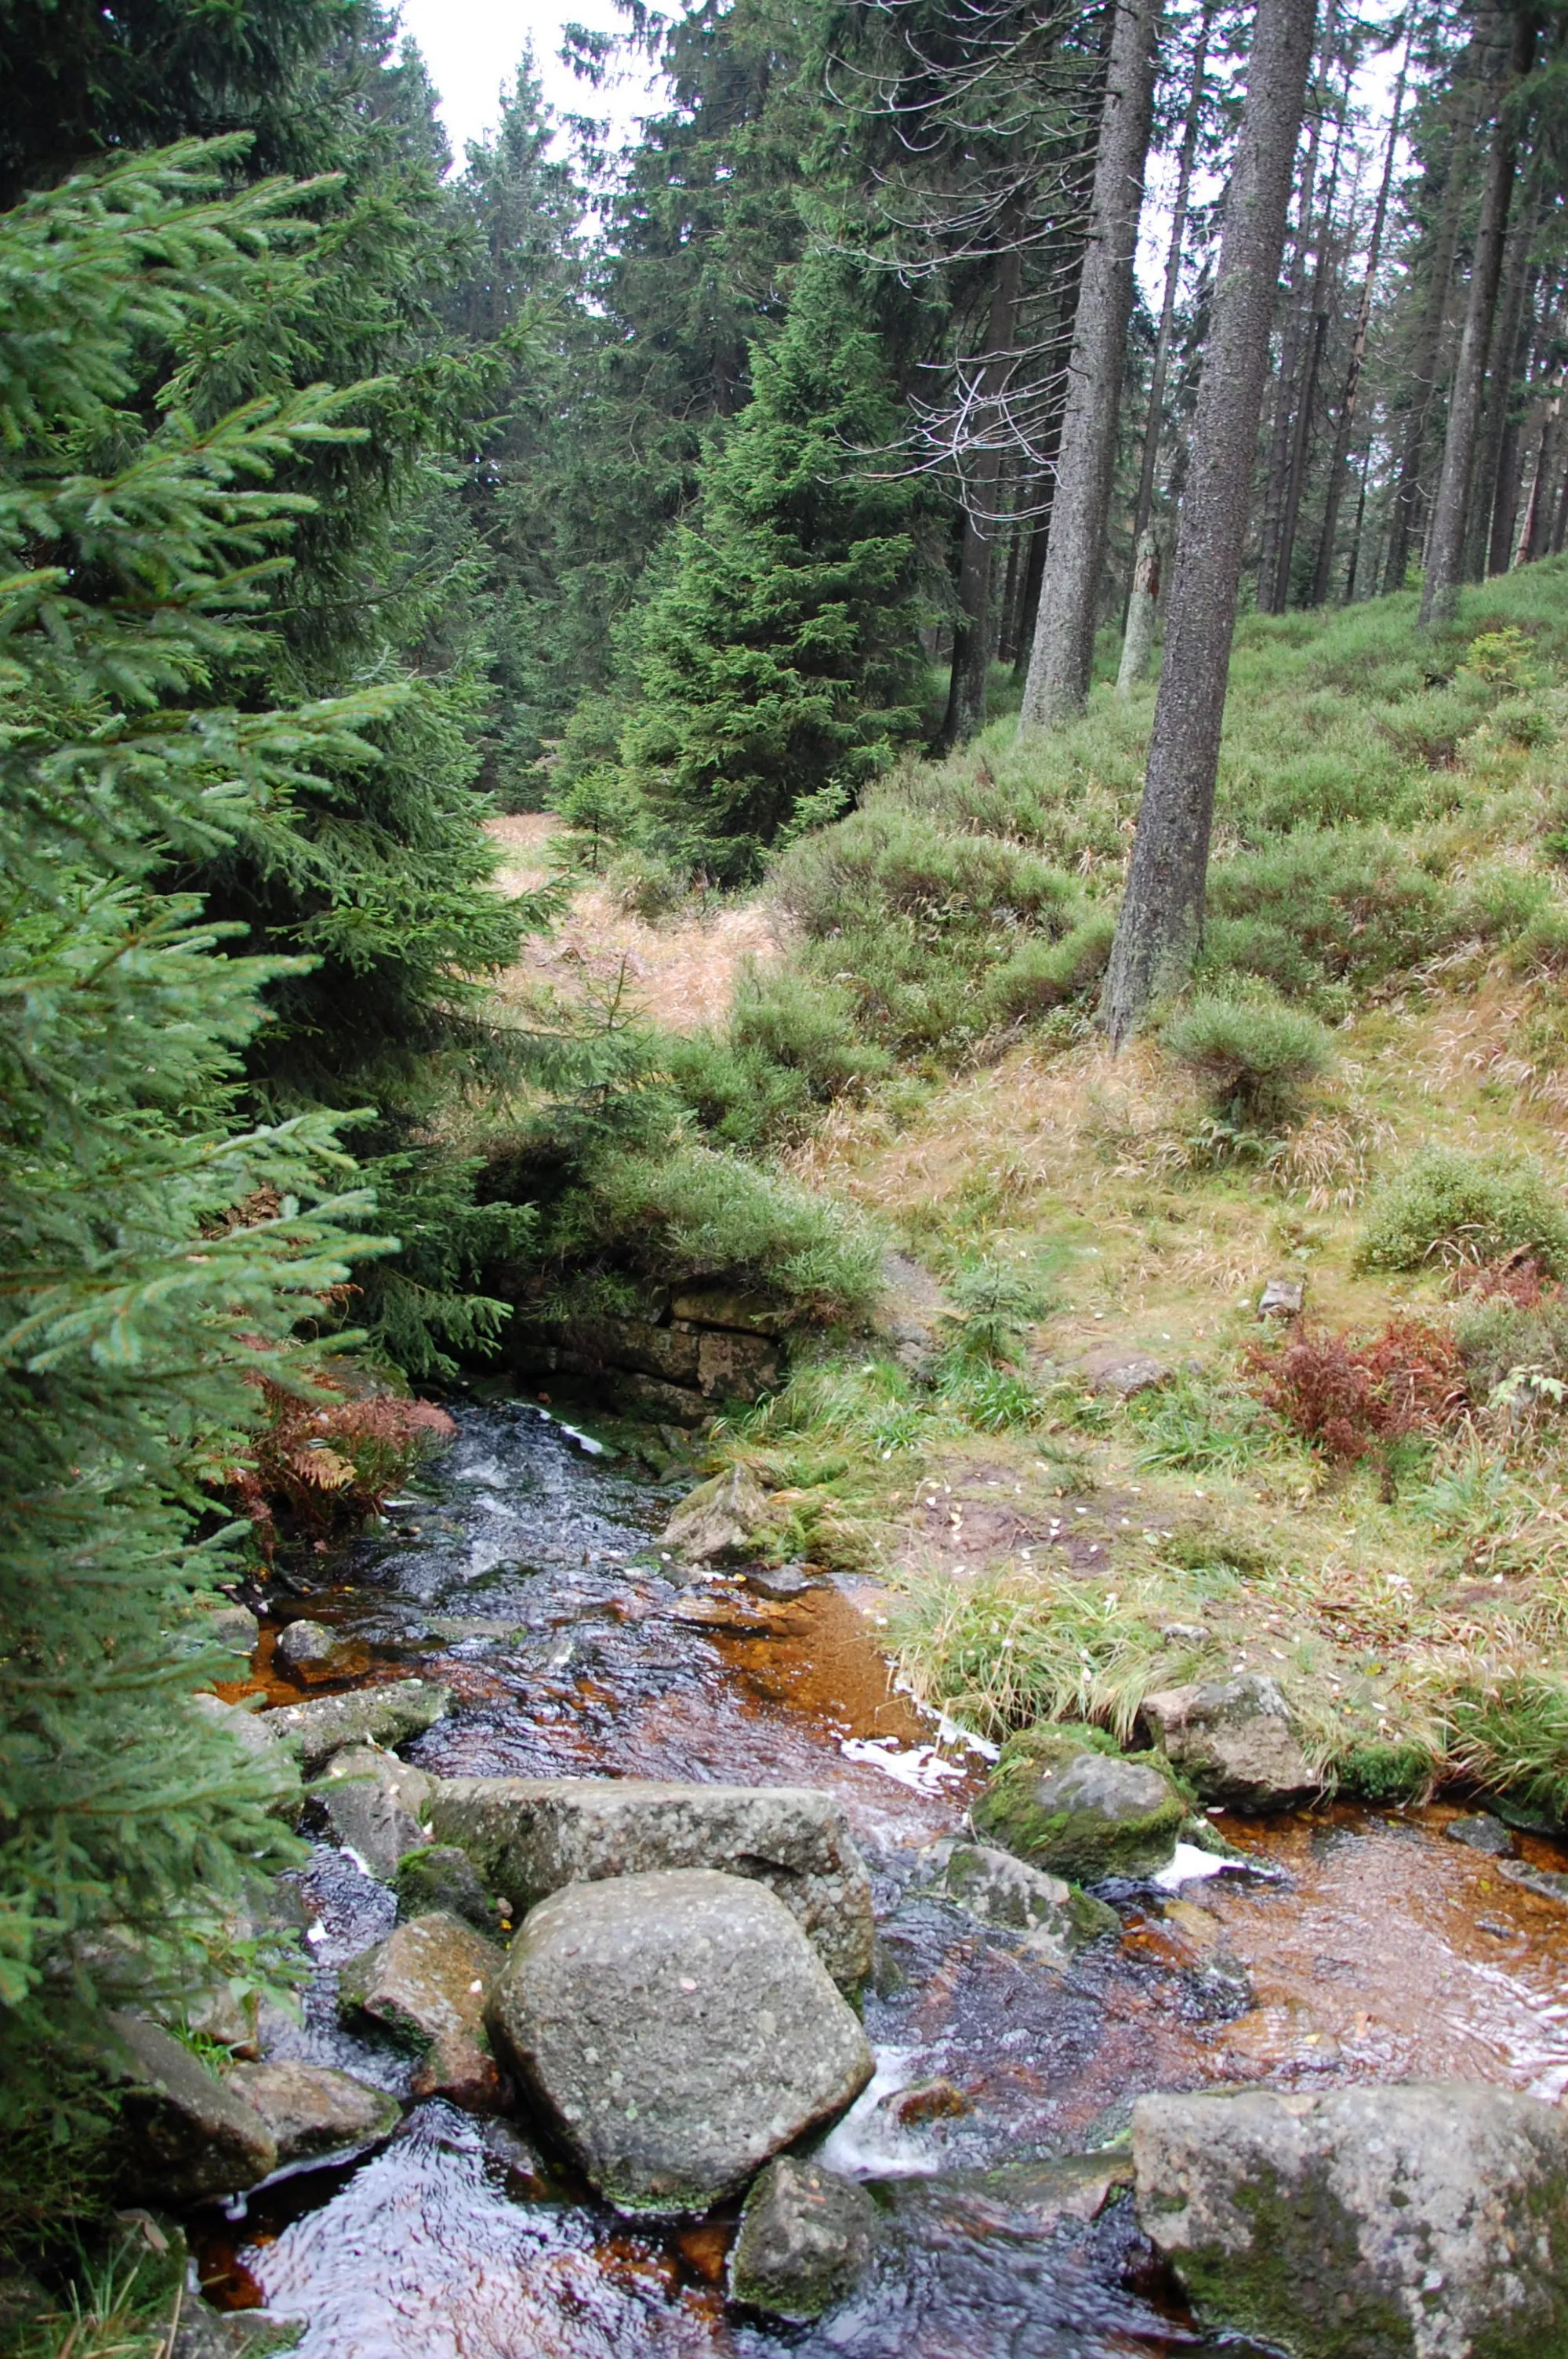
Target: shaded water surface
(530,1581)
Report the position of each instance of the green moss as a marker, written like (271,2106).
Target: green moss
(1038,1806)
(1301,2286)
(1385,1772)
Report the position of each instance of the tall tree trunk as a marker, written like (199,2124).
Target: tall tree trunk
(1317,340)
(1360,527)
(1505,483)
(1188,157)
(1340,461)
(966,713)
(1510,358)
(1138,639)
(1161,911)
(1063,656)
(1291,334)
(1445,541)
(1463,113)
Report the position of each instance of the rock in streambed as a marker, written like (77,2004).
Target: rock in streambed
(386,1714)
(1423,2221)
(428,1984)
(187,2137)
(529,1837)
(1064,1801)
(1235,1741)
(1007,1893)
(373,1802)
(678,2029)
(315,2113)
(804,2242)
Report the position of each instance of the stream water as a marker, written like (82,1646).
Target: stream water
(528,1579)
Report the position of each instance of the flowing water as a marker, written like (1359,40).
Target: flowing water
(529,1580)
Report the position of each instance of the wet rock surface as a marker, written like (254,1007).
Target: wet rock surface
(188,2136)
(307,1645)
(389,1715)
(1419,2222)
(531,1837)
(373,1803)
(315,2112)
(678,2029)
(804,2241)
(1009,1894)
(440,1878)
(1235,1741)
(1065,1804)
(1482,1833)
(427,1984)
(721,1522)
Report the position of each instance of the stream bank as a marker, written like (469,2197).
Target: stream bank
(528,1582)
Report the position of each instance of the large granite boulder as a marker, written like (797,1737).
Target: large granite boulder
(1235,1741)
(530,1836)
(804,2241)
(428,1984)
(187,2135)
(1007,1893)
(1423,2220)
(373,1803)
(721,1522)
(388,1714)
(1064,1800)
(679,2029)
(315,2113)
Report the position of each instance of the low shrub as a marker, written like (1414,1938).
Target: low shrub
(647,884)
(805,1026)
(1042,973)
(1453,1207)
(1325,906)
(1347,1401)
(706,1213)
(886,861)
(736,1094)
(1253,1052)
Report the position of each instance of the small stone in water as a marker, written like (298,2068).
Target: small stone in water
(1482,1833)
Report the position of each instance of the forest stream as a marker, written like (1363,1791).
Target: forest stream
(527,1578)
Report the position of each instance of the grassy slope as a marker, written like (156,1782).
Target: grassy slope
(1419,791)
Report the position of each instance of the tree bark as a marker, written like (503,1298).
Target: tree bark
(1423,364)
(1300,449)
(1185,161)
(1505,484)
(1291,337)
(1510,359)
(1138,639)
(1063,656)
(1161,911)
(1339,463)
(1445,541)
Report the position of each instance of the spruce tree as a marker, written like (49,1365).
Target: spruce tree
(779,662)
(156,1253)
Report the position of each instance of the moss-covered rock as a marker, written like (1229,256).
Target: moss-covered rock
(806,2241)
(1064,1801)
(1417,2222)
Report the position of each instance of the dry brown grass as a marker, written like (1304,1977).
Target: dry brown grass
(679,974)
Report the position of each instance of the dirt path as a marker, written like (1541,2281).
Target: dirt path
(680,974)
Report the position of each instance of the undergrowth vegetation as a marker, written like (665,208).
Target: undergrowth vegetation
(1364,1094)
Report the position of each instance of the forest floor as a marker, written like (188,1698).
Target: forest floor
(678,974)
(1391,851)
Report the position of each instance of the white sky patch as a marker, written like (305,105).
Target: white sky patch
(472,47)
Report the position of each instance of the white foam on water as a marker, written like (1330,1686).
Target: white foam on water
(868,2143)
(920,1767)
(1188,1864)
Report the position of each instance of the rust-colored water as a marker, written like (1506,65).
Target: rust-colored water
(1376,1948)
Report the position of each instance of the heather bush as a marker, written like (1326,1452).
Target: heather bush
(1449,1206)
(1251,1052)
